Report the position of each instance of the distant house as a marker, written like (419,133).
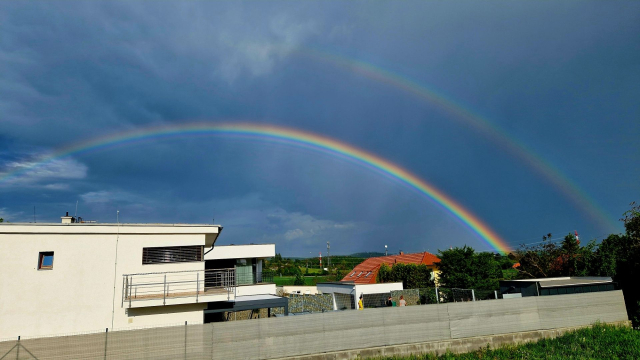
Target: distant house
(367,271)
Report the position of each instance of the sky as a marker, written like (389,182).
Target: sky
(525,114)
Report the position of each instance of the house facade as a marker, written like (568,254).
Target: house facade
(75,277)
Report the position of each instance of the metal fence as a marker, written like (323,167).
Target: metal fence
(438,295)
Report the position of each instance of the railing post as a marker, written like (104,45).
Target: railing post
(124,292)
(106,338)
(164,291)
(130,285)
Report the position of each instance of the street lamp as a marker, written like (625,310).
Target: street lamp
(385,250)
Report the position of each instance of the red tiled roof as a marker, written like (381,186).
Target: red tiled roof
(367,271)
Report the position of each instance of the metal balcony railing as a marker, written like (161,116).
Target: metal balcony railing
(174,284)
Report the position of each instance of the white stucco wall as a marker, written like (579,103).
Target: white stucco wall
(259,251)
(258,289)
(77,295)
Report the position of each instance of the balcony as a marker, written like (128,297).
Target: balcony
(178,287)
(188,287)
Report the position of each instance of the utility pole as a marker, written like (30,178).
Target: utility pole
(328,257)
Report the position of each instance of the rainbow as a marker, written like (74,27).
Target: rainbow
(491,131)
(296,138)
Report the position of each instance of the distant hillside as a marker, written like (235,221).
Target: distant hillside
(366,255)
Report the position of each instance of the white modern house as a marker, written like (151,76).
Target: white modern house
(72,277)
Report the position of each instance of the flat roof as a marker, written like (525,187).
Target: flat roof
(101,224)
(219,246)
(246,298)
(107,228)
(566,281)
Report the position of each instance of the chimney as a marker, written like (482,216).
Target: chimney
(401,252)
(68,219)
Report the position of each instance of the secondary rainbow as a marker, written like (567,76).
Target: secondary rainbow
(458,112)
(290,136)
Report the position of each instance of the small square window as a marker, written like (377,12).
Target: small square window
(45,260)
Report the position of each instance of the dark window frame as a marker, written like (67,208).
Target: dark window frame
(172,254)
(41,257)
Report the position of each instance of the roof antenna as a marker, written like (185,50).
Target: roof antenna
(76,215)
(34,214)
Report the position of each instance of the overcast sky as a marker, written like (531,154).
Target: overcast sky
(561,80)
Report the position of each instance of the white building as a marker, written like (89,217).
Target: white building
(345,294)
(80,277)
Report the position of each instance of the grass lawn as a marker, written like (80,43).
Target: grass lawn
(288,280)
(599,342)
(312,270)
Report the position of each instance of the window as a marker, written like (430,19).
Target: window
(172,254)
(45,260)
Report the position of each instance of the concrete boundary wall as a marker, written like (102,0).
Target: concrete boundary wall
(455,346)
(348,330)
(345,334)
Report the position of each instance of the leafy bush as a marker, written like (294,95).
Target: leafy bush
(412,276)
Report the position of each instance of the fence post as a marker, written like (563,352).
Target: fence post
(18,349)
(164,291)
(106,338)
(473,294)
(437,296)
(495,292)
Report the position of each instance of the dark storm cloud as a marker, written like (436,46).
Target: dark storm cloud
(559,77)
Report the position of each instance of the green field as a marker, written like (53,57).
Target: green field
(599,342)
(308,280)
(312,271)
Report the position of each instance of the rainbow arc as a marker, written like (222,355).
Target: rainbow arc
(297,138)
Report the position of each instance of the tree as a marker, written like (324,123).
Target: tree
(1,220)
(299,280)
(617,256)
(550,260)
(291,270)
(627,261)
(466,269)
(412,276)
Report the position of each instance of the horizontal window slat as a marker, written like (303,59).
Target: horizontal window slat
(172,254)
